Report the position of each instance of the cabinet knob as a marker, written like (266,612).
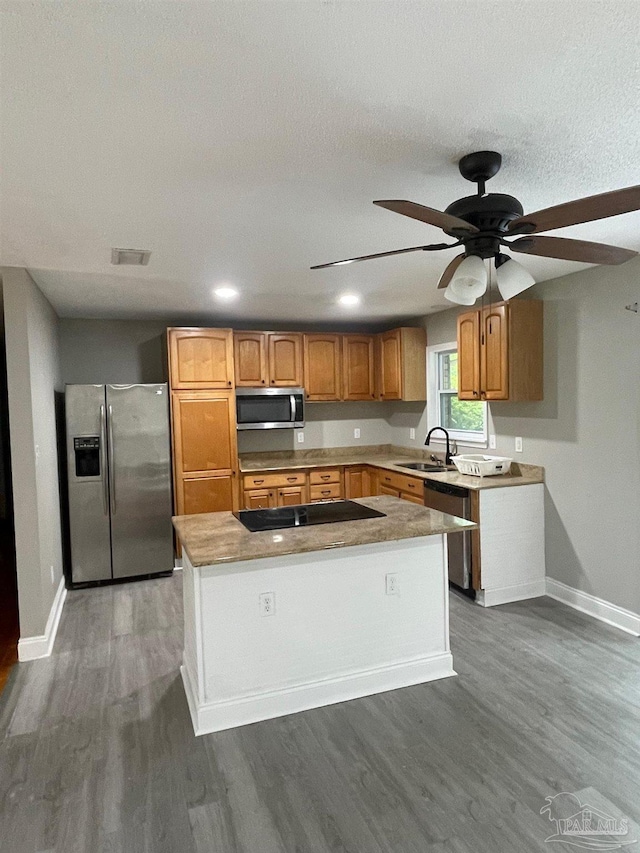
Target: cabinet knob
(229,382)
(475,393)
(273,381)
(263,381)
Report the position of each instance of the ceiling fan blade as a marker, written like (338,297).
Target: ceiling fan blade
(582,210)
(447,275)
(432,248)
(572,250)
(448,223)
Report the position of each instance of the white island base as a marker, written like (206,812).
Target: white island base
(337,631)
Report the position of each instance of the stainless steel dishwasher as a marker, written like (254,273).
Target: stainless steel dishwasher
(453,500)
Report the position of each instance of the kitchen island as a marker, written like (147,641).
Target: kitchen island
(280,621)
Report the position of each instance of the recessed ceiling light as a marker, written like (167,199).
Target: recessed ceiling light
(135,257)
(225,292)
(349,299)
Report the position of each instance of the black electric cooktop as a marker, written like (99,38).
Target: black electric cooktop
(301,516)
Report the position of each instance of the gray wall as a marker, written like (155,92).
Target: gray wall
(112,351)
(326,425)
(33,379)
(586,432)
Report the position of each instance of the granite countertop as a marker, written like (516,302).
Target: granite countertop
(386,457)
(218,537)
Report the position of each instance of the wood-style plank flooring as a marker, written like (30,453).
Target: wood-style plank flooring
(97,752)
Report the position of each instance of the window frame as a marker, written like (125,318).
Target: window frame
(433,401)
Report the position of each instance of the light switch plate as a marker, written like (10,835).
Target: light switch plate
(518,444)
(412,433)
(356,433)
(492,442)
(300,438)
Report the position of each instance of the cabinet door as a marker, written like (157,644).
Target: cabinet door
(390,365)
(285,360)
(415,499)
(259,499)
(292,496)
(387,490)
(357,482)
(204,432)
(205,494)
(494,353)
(201,358)
(322,367)
(469,356)
(358,367)
(250,357)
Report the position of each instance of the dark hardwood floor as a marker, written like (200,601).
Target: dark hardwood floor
(97,751)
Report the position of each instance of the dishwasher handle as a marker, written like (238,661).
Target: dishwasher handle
(446,489)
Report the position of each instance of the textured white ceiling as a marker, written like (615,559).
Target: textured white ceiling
(244,141)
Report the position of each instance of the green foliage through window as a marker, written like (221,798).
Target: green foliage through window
(456,414)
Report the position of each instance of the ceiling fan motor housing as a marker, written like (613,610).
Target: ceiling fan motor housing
(491,214)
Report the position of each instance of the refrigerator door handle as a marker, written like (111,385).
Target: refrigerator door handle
(112,467)
(103,461)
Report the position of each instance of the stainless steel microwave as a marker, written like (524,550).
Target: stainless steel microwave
(269,408)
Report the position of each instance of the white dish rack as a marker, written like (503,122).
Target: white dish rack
(478,465)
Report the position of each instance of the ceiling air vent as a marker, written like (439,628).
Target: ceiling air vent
(134,257)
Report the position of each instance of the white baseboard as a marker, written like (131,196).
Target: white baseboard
(31,648)
(507,594)
(217,716)
(600,609)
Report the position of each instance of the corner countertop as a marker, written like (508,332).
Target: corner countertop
(218,537)
(386,458)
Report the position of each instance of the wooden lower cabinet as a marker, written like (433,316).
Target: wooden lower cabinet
(259,499)
(401,486)
(359,482)
(205,494)
(292,496)
(204,451)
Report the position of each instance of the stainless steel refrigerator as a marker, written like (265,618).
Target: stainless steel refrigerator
(119,479)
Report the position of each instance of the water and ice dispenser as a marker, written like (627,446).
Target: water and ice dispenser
(87,455)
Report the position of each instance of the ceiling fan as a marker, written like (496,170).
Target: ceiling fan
(482,223)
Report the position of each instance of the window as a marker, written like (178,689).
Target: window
(465,420)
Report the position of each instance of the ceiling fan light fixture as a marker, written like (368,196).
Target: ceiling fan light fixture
(470,279)
(512,278)
(458,298)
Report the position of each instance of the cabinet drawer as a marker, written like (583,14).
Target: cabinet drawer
(412,485)
(281,478)
(327,475)
(326,492)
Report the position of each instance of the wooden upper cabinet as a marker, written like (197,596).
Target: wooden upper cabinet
(494,353)
(285,359)
(469,355)
(402,364)
(390,366)
(200,358)
(500,352)
(204,432)
(322,367)
(358,367)
(250,357)
(268,358)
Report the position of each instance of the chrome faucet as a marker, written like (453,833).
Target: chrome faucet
(447,458)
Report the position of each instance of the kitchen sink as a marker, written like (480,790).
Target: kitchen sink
(421,466)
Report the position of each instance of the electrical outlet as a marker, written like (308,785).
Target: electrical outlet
(391,584)
(356,433)
(300,438)
(518,444)
(412,433)
(267,601)
(492,442)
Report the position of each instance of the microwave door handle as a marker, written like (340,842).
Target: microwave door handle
(292,400)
